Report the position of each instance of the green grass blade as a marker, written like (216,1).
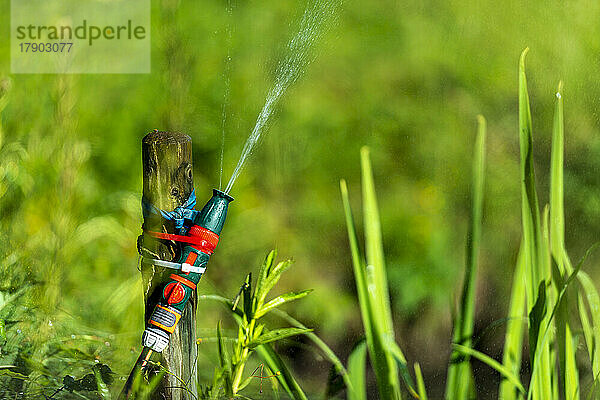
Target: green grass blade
(277,334)
(223,353)
(571,372)
(529,207)
(285,377)
(492,363)
(536,271)
(404,372)
(557,210)
(327,352)
(383,363)
(557,245)
(383,330)
(280,300)
(274,274)
(375,308)
(262,277)
(459,372)
(374,246)
(591,330)
(554,300)
(359,267)
(357,371)
(546,331)
(513,341)
(420,382)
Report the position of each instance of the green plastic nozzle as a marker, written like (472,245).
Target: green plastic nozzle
(212,216)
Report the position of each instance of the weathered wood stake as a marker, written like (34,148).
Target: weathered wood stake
(167,183)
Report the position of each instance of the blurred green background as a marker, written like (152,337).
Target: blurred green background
(405,78)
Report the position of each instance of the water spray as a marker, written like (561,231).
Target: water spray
(318,17)
(201,238)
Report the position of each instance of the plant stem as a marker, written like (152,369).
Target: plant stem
(239,368)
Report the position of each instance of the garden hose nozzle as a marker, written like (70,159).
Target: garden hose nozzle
(200,241)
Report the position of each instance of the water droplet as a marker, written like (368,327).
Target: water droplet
(72,336)
(50,323)
(96,361)
(18,331)
(107,344)
(558,96)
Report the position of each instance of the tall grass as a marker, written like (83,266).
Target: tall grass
(542,296)
(459,382)
(548,274)
(385,355)
(543,281)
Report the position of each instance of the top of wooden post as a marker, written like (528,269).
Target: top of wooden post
(162,137)
(167,168)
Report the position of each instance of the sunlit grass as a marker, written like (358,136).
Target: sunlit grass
(543,288)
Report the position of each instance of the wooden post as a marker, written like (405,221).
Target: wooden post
(167,183)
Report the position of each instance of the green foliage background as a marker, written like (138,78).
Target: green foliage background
(405,78)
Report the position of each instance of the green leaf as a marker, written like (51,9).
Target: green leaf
(2,331)
(277,334)
(262,275)
(258,330)
(271,359)
(357,371)
(327,352)
(404,372)
(5,371)
(492,363)
(557,246)
(373,316)
(537,269)
(224,359)
(459,371)
(420,382)
(536,316)
(358,264)
(514,331)
(218,382)
(284,377)
(530,208)
(571,373)
(272,278)
(279,300)
(387,376)
(557,306)
(591,330)
(374,247)
(557,212)
(248,301)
